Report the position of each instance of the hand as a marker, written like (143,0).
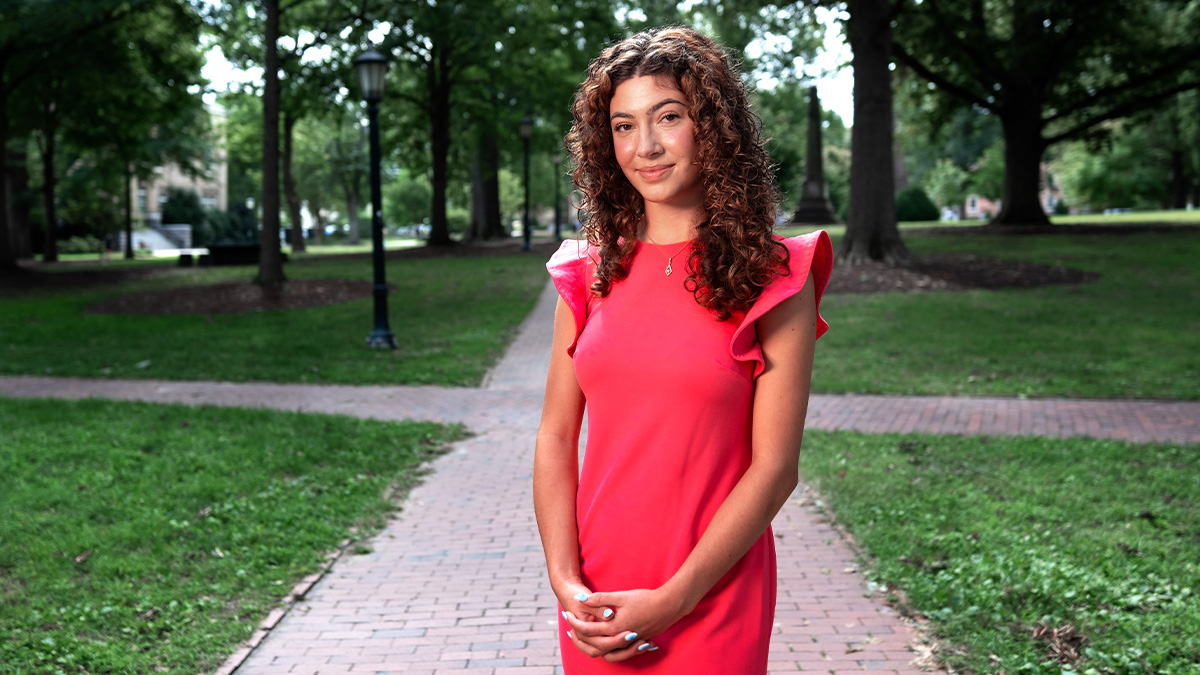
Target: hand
(636,617)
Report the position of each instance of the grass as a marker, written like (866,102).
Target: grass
(1172,216)
(989,537)
(1132,334)
(452,318)
(156,537)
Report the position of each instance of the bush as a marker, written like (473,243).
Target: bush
(81,244)
(182,207)
(912,204)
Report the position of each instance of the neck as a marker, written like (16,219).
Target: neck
(666,224)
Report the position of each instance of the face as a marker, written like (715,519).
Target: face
(654,142)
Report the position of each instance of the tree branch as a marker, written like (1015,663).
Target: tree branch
(984,60)
(1124,109)
(899,53)
(1131,86)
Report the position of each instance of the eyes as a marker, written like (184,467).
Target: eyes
(666,119)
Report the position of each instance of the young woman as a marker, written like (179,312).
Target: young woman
(686,329)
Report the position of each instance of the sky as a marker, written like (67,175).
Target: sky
(835,86)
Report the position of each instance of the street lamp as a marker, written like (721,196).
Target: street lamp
(557,159)
(372,69)
(527,226)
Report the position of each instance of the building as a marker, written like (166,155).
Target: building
(212,185)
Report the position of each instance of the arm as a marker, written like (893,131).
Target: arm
(787,334)
(556,466)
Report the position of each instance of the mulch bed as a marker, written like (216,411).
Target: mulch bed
(937,273)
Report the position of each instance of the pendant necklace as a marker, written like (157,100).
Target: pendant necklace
(668,257)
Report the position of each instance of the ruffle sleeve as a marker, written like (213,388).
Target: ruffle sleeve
(808,252)
(569,270)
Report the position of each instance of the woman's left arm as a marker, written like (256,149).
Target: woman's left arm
(787,334)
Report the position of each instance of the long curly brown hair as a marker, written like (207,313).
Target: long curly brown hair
(735,255)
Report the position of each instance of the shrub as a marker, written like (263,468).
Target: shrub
(912,204)
(182,207)
(80,244)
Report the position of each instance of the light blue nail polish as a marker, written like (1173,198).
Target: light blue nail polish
(654,648)
(564,615)
(607,613)
(631,637)
(644,647)
(582,597)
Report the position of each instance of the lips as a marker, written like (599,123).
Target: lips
(651,173)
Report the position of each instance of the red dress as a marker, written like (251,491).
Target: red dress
(669,394)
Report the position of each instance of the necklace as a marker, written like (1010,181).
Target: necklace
(668,257)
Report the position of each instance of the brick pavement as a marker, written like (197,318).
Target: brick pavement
(455,583)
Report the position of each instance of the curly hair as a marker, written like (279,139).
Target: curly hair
(735,255)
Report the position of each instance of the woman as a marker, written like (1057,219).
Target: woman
(687,330)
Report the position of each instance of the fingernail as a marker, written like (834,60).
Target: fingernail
(564,615)
(654,648)
(631,637)
(582,597)
(607,613)
(644,647)
(570,636)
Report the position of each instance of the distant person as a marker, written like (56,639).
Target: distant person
(687,329)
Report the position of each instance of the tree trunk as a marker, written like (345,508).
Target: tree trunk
(485,189)
(439,122)
(318,223)
(128,209)
(900,170)
(16,178)
(289,184)
(50,246)
(352,211)
(1023,147)
(1179,179)
(8,261)
(270,260)
(353,196)
(871,232)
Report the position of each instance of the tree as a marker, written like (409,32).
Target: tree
(27,29)
(945,182)
(306,25)
(118,104)
(1050,70)
(871,231)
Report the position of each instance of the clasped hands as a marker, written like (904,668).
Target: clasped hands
(617,626)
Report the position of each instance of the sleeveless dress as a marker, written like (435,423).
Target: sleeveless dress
(669,394)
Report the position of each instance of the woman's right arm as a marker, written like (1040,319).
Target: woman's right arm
(556,467)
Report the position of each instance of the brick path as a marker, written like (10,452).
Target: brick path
(455,583)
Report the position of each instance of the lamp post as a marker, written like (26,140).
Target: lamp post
(526,225)
(557,159)
(372,69)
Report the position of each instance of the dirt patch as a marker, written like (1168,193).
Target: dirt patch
(951,273)
(938,273)
(237,298)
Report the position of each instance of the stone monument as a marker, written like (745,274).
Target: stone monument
(814,206)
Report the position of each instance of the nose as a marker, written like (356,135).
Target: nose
(648,142)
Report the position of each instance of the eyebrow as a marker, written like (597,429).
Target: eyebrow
(653,109)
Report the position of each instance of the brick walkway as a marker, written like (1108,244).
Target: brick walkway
(455,584)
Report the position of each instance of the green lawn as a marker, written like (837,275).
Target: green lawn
(987,537)
(452,318)
(138,537)
(1132,334)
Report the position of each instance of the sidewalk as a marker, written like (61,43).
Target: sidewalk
(455,584)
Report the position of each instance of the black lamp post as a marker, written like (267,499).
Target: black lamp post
(557,159)
(372,69)
(526,224)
